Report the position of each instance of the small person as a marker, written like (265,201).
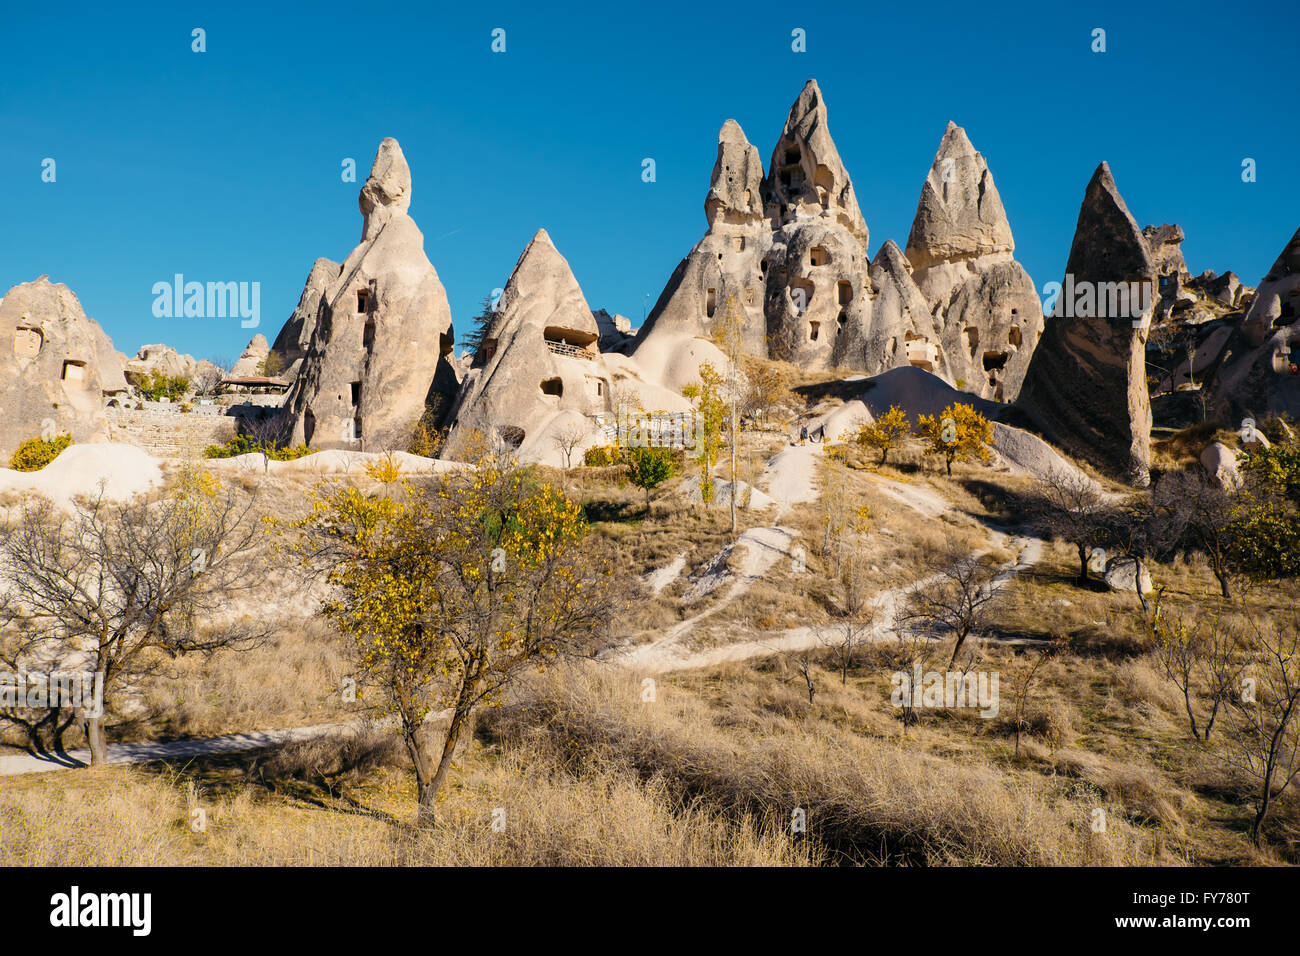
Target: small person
(803,434)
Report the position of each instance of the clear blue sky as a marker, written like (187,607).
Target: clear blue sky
(225,165)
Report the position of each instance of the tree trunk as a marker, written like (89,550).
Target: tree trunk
(98,745)
(448,749)
(733,463)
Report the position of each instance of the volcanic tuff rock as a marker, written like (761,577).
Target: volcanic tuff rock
(1259,380)
(53,380)
(251,359)
(383,333)
(166,360)
(538,370)
(986,309)
(295,336)
(1086,385)
(901,330)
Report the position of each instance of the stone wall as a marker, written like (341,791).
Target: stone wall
(166,432)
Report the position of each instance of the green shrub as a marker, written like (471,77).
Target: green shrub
(35,453)
(601,455)
(244,445)
(157,386)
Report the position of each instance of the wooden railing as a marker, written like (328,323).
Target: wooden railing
(572,351)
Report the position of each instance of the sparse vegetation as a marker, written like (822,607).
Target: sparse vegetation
(35,453)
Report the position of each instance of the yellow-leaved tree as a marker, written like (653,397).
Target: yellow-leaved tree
(711,409)
(448,591)
(958,433)
(886,432)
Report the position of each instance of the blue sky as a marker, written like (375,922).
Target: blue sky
(225,165)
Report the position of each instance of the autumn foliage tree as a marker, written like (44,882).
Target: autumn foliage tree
(711,409)
(958,433)
(886,432)
(448,592)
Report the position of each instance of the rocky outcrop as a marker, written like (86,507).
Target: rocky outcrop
(295,335)
(383,338)
(818,289)
(1263,377)
(539,370)
(1086,385)
(725,270)
(53,379)
(900,329)
(985,307)
(252,359)
(169,362)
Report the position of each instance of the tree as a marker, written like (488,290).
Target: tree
(886,432)
(844,521)
(1069,506)
(1024,678)
(567,440)
(206,379)
(729,334)
(710,409)
(446,593)
(958,433)
(958,599)
(648,468)
(1264,737)
(1202,513)
(479,325)
(852,630)
(1202,657)
(1266,525)
(767,387)
(126,584)
(273,364)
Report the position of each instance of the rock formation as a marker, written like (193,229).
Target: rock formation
(986,309)
(295,336)
(166,360)
(1086,386)
(379,353)
(53,366)
(252,358)
(818,290)
(538,370)
(1264,375)
(901,330)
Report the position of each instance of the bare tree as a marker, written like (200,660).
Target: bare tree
(127,585)
(1202,513)
(851,632)
(1069,506)
(567,440)
(1264,739)
(1202,657)
(959,599)
(205,380)
(1024,678)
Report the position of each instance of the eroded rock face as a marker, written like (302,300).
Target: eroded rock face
(818,288)
(383,337)
(295,335)
(725,269)
(985,306)
(1259,380)
(539,369)
(50,365)
(898,329)
(1086,385)
(251,359)
(166,360)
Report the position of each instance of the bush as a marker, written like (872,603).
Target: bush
(600,456)
(157,386)
(244,445)
(35,453)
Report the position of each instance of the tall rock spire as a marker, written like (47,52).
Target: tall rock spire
(1086,386)
(984,303)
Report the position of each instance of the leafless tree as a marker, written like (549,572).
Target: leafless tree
(852,630)
(1069,506)
(1264,737)
(1201,512)
(206,379)
(959,599)
(128,585)
(1202,657)
(567,440)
